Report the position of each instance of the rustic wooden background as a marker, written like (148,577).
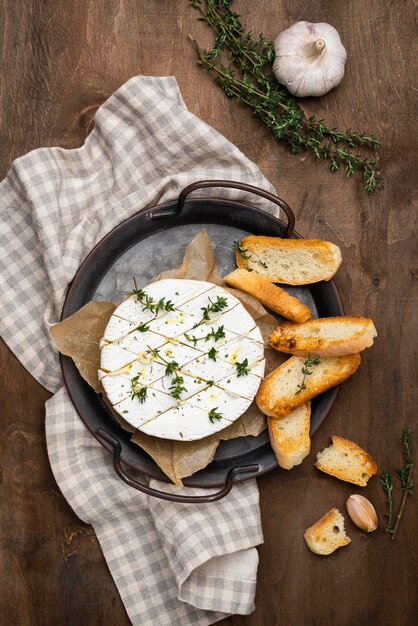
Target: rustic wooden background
(61,58)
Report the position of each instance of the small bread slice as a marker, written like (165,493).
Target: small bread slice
(327,336)
(347,461)
(280,393)
(290,261)
(289,436)
(327,534)
(275,298)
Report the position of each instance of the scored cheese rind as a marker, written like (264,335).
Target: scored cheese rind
(241,349)
(112,357)
(238,320)
(226,404)
(178,352)
(132,359)
(191,384)
(138,413)
(138,341)
(172,324)
(116,328)
(184,422)
(243,386)
(177,290)
(207,369)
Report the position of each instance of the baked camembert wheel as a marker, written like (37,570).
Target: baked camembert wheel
(181,359)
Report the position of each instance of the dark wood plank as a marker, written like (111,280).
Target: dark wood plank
(58,61)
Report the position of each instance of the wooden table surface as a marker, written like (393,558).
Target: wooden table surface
(60,59)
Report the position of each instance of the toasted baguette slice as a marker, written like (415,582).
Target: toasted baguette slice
(280,393)
(290,261)
(347,461)
(327,336)
(270,295)
(289,436)
(327,534)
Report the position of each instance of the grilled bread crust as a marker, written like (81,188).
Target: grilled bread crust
(347,461)
(327,534)
(290,261)
(279,393)
(327,336)
(289,436)
(271,296)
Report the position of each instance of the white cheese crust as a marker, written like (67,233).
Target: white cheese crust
(174,374)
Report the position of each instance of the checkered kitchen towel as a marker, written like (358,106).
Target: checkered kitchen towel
(172,563)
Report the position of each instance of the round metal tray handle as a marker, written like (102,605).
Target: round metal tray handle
(163,495)
(233,184)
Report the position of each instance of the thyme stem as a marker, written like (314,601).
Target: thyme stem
(401,508)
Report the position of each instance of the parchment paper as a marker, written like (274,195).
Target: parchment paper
(78,337)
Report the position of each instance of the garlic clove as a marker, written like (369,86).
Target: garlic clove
(362,512)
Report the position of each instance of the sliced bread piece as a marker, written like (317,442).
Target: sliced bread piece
(275,298)
(289,436)
(287,387)
(289,261)
(347,461)
(327,336)
(327,534)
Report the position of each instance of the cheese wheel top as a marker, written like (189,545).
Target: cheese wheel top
(181,359)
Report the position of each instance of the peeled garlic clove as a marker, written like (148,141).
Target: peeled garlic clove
(362,512)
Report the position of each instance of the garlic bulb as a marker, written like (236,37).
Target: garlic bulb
(362,512)
(310,59)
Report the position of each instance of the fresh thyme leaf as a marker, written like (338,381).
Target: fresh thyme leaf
(387,484)
(212,354)
(249,269)
(149,303)
(214,415)
(143,328)
(246,76)
(191,338)
(171,368)
(243,251)
(177,387)
(138,392)
(307,372)
(213,307)
(242,368)
(404,472)
(216,335)
(210,383)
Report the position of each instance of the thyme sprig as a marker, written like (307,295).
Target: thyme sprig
(177,386)
(243,251)
(138,391)
(387,485)
(316,360)
(248,78)
(212,354)
(214,414)
(172,367)
(216,335)
(404,474)
(149,304)
(242,368)
(213,307)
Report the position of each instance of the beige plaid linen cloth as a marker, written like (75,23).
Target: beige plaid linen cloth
(173,564)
